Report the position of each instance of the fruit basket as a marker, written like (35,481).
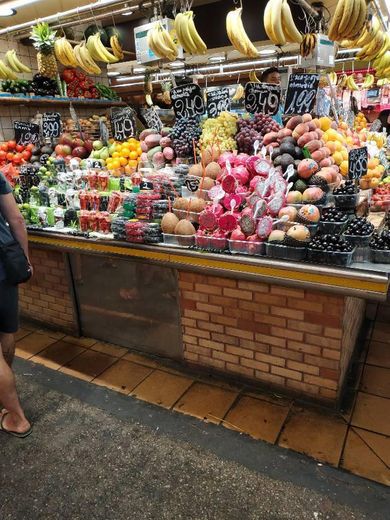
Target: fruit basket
(346,201)
(179,240)
(334,228)
(380,256)
(358,240)
(244,247)
(211,243)
(338,258)
(285,252)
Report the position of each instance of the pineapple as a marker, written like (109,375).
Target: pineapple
(44,37)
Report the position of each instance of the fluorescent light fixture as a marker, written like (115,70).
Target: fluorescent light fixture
(14,4)
(267,52)
(7,11)
(349,51)
(217,59)
(113,73)
(176,64)
(127,13)
(138,70)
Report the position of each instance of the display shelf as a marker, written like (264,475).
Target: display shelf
(352,281)
(45,101)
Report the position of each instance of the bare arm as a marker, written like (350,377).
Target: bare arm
(12,215)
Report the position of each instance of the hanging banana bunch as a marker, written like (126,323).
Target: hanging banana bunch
(279,23)
(64,52)
(14,64)
(348,20)
(308,45)
(237,34)
(253,77)
(98,51)
(368,81)
(239,93)
(162,43)
(188,35)
(333,78)
(116,47)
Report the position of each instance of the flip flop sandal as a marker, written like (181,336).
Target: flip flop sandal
(21,435)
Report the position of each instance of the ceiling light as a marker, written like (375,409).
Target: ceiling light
(267,52)
(176,64)
(6,11)
(113,73)
(217,59)
(138,70)
(13,4)
(127,13)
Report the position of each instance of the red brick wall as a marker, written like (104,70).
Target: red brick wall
(46,298)
(289,338)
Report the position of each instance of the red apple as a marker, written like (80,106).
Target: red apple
(78,143)
(80,152)
(62,150)
(66,139)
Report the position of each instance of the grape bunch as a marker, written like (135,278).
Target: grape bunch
(219,131)
(250,130)
(182,135)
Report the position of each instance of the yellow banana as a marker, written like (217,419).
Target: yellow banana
(253,77)
(290,30)
(239,93)
(116,47)
(14,63)
(237,35)
(200,45)
(276,20)
(268,22)
(9,74)
(333,32)
(351,84)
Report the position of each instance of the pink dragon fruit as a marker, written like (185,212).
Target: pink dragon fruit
(264,227)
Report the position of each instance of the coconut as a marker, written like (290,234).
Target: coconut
(213,169)
(196,170)
(276,236)
(208,183)
(184,227)
(169,222)
(299,233)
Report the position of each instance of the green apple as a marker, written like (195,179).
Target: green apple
(97,145)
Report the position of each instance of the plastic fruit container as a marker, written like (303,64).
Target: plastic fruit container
(331,228)
(357,240)
(285,252)
(189,215)
(379,256)
(244,247)
(179,240)
(211,243)
(330,257)
(345,201)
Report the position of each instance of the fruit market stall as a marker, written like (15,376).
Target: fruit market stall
(248,234)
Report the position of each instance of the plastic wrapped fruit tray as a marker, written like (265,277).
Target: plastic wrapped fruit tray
(211,243)
(285,252)
(179,240)
(189,215)
(332,228)
(285,226)
(357,240)
(201,194)
(380,256)
(330,257)
(345,201)
(247,248)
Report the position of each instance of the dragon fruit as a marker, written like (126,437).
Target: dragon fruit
(228,222)
(228,183)
(241,174)
(231,199)
(237,234)
(276,204)
(264,227)
(226,156)
(208,219)
(248,223)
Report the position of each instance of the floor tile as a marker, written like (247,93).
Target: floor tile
(206,402)
(162,388)
(361,460)
(372,413)
(82,342)
(142,360)
(376,380)
(88,365)
(257,418)
(109,349)
(379,354)
(123,376)
(51,333)
(380,444)
(383,313)
(270,398)
(315,434)
(58,354)
(381,332)
(32,344)
(22,333)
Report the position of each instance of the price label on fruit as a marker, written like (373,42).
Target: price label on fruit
(152,119)
(218,101)
(122,123)
(192,185)
(51,125)
(26,133)
(357,163)
(301,93)
(262,98)
(187,101)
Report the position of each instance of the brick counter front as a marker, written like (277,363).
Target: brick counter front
(293,339)
(46,297)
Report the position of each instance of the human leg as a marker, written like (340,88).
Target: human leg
(9,322)
(7,342)
(14,419)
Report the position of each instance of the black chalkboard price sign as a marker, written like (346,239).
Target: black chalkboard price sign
(26,133)
(187,101)
(301,93)
(51,125)
(192,185)
(122,123)
(357,163)
(262,98)
(152,119)
(218,101)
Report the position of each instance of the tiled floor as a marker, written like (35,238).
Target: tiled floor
(357,441)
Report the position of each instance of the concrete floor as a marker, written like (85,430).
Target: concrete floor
(97,455)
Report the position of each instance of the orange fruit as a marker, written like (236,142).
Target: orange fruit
(116,155)
(115,164)
(133,155)
(123,161)
(133,163)
(325,123)
(338,158)
(344,167)
(374,183)
(125,152)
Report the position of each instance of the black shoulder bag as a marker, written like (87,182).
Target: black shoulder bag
(16,266)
